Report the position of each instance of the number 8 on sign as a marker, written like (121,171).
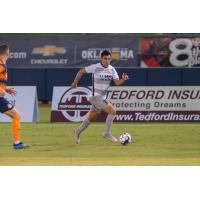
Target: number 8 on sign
(177,52)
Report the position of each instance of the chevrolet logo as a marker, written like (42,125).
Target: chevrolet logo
(49,50)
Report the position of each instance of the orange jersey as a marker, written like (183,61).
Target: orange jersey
(3,76)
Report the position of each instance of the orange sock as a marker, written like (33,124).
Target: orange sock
(16,129)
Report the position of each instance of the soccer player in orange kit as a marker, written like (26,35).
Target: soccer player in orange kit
(7,107)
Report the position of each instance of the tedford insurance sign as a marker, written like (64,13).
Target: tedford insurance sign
(134,104)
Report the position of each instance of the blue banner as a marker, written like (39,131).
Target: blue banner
(72,51)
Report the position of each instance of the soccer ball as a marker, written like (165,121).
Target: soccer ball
(125,138)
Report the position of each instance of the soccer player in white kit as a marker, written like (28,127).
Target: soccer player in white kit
(103,74)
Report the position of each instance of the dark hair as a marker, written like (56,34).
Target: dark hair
(105,53)
(3,49)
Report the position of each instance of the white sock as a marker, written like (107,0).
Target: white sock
(109,122)
(83,126)
(17,142)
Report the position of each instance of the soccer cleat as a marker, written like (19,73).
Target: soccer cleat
(110,137)
(20,145)
(77,136)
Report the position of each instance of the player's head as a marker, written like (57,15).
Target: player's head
(4,52)
(106,58)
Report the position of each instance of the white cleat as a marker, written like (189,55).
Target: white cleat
(110,137)
(77,136)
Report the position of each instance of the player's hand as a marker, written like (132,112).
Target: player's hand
(73,85)
(2,93)
(125,77)
(11,91)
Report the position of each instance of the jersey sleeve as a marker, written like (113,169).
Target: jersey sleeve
(90,69)
(115,74)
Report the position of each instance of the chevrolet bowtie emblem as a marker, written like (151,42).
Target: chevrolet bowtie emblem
(49,50)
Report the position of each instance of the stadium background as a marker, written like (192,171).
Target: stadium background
(24,68)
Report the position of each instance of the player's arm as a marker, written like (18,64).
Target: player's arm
(79,75)
(2,69)
(11,91)
(2,93)
(122,80)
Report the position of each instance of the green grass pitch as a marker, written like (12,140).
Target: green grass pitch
(53,144)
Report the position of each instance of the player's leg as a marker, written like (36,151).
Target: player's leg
(14,114)
(111,111)
(90,118)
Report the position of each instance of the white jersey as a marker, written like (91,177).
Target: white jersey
(101,78)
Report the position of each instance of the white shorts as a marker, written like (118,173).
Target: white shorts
(98,103)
